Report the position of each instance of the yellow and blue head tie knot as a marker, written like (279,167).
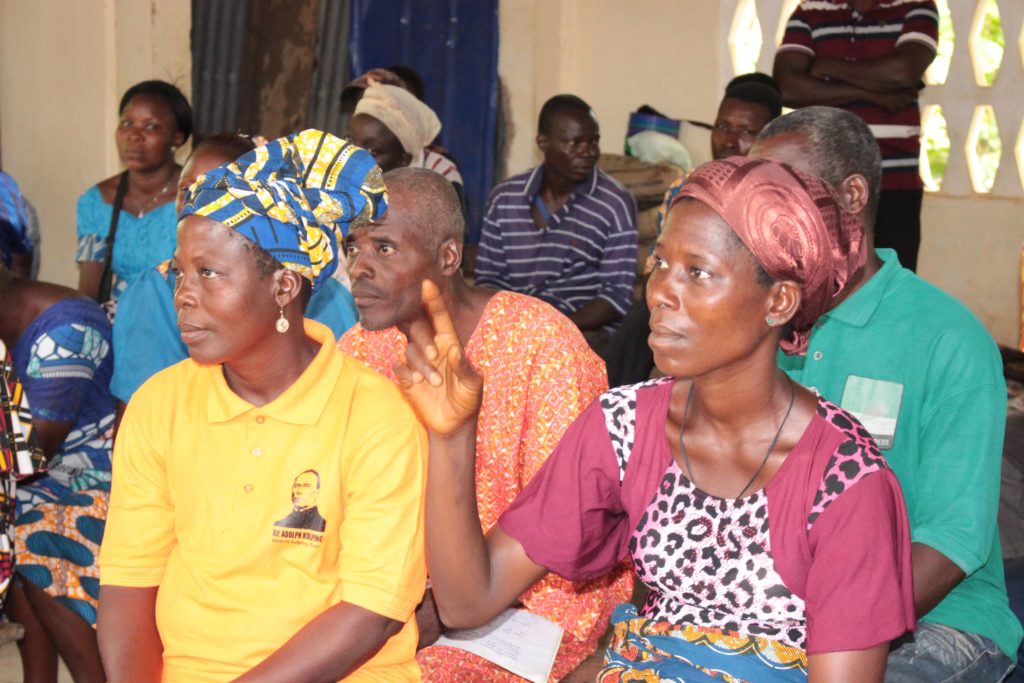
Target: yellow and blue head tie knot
(295,197)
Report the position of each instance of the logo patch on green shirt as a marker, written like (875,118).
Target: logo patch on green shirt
(876,403)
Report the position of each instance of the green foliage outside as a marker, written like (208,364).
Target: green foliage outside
(944,54)
(990,44)
(936,147)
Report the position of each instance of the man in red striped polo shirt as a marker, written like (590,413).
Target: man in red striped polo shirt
(868,57)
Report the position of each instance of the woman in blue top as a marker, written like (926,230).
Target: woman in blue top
(155,119)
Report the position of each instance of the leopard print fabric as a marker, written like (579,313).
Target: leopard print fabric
(619,408)
(855,458)
(708,560)
(708,563)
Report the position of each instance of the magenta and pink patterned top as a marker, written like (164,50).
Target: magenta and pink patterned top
(818,559)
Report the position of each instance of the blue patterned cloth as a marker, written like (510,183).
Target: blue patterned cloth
(65,361)
(295,197)
(14,238)
(140,243)
(646,650)
(56,546)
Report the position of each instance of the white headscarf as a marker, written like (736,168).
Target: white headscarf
(412,122)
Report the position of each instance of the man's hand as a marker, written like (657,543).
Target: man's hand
(439,382)
(890,100)
(895,101)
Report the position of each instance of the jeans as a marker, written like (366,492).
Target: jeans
(940,654)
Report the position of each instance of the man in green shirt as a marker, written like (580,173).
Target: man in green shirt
(925,378)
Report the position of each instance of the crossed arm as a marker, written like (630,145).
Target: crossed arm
(890,81)
(330,647)
(129,643)
(935,575)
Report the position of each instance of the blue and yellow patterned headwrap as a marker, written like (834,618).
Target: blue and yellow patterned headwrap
(295,197)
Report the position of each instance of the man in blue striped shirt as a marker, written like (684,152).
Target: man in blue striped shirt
(564,232)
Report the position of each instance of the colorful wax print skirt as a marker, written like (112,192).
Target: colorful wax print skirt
(57,546)
(657,651)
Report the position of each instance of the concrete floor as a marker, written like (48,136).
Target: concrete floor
(10,666)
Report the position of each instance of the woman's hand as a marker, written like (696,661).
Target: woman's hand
(439,381)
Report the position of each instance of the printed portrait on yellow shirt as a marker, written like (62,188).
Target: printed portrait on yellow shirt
(304,514)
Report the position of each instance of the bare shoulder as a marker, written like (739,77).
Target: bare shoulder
(108,188)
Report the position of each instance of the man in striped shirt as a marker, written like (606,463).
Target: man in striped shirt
(564,232)
(868,57)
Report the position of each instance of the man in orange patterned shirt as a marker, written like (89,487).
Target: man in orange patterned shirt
(539,374)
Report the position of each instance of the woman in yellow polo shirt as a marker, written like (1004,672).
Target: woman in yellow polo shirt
(266,515)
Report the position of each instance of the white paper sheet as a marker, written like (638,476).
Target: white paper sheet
(516,640)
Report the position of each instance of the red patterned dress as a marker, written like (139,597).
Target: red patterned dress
(539,375)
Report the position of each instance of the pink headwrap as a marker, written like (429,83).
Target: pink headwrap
(794,225)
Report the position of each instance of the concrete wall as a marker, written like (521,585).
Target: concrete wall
(63,67)
(971,242)
(616,55)
(971,248)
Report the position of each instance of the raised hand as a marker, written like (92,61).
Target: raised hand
(440,383)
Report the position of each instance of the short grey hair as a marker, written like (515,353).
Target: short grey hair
(839,144)
(434,204)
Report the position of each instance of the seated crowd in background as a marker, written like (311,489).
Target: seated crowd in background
(749,103)
(261,322)
(383,112)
